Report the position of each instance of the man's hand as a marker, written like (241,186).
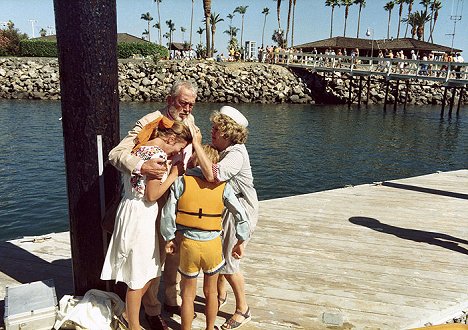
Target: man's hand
(171,247)
(238,250)
(154,168)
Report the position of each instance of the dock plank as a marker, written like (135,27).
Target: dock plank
(377,256)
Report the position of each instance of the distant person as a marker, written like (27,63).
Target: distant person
(228,135)
(133,256)
(191,223)
(458,68)
(179,106)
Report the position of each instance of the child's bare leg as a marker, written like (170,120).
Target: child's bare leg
(133,304)
(189,290)
(211,299)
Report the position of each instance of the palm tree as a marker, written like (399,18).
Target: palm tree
(171,25)
(417,21)
(207,11)
(332,4)
(362,4)
(214,20)
(230,17)
(292,23)
(346,3)
(159,21)
(158,26)
(145,33)
(410,9)
(182,29)
(278,10)
(265,12)
(191,28)
(435,7)
(400,13)
(200,32)
(147,17)
(426,4)
(241,10)
(389,7)
(287,23)
(43,32)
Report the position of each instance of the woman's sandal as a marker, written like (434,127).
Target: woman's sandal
(221,301)
(233,324)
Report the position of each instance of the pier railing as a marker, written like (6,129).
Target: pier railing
(451,73)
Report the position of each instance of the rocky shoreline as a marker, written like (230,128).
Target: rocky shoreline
(141,81)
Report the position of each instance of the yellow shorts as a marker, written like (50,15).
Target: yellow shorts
(196,255)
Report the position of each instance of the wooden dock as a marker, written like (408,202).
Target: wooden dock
(390,255)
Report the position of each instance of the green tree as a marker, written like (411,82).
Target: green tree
(43,32)
(200,32)
(159,20)
(182,29)
(171,25)
(410,9)
(158,26)
(389,7)
(147,17)
(346,3)
(278,37)
(362,4)
(207,11)
(435,7)
(332,4)
(265,12)
(241,10)
(417,21)
(10,39)
(400,13)
(215,19)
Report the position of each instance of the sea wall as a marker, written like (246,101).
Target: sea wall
(38,78)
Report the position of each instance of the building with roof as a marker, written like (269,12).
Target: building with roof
(121,37)
(366,46)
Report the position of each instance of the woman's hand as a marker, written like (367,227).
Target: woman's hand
(196,134)
(238,250)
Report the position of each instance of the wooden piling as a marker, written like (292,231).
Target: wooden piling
(443,102)
(360,91)
(368,88)
(87,55)
(460,99)
(396,95)
(406,94)
(386,95)
(452,100)
(350,90)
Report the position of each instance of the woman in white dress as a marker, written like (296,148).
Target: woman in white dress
(133,253)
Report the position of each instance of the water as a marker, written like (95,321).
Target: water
(294,149)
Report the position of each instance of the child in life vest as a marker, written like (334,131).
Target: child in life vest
(191,223)
(133,253)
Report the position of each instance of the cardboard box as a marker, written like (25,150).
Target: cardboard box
(31,306)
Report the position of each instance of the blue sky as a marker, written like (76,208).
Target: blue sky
(312,19)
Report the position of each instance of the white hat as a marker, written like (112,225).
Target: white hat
(234,114)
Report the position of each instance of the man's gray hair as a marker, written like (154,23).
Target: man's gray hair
(175,89)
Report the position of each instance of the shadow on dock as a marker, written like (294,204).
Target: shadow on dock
(443,240)
(24,267)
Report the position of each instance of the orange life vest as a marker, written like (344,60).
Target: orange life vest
(201,204)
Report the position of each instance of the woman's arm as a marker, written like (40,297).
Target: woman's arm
(155,188)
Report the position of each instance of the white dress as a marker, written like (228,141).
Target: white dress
(133,253)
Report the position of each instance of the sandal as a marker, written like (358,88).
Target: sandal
(221,301)
(233,324)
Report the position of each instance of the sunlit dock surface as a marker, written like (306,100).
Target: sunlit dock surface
(390,255)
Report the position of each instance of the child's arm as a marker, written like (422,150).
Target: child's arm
(155,188)
(168,225)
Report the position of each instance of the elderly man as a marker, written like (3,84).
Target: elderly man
(179,107)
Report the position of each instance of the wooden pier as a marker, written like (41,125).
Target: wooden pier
(391,255)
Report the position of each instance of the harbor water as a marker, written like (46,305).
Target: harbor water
(294,149)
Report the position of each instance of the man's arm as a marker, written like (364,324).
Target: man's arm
(121,156)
